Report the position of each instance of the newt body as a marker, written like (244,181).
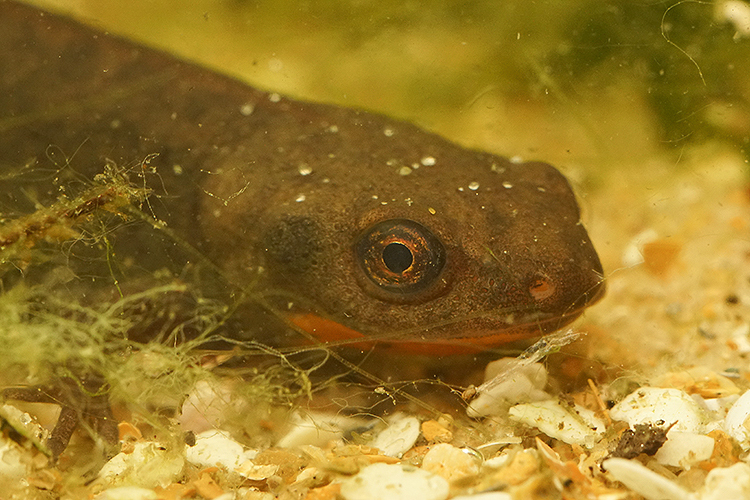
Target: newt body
(367,227)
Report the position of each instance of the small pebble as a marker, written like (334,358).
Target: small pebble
(394,482)
(217,448)
(557,421)
(685,449)
(450,463)
(725,483)
(127,493)
(661,408)
(494,495)
(644,481)
(398,437)
(148,465)
(521,384)
(736,421)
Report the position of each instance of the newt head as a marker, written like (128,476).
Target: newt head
(367,228)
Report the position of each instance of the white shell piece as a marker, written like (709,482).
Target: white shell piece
(724,483)
(661,408)
(737,419)
(524,384)
(644,481)
(149,465)
(685,449)
(317,429)
(217,448)
(127,493)
(556,421)
(394,482)
(398,437)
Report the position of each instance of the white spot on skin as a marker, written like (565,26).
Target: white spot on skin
(274,97)
(304,169)
(461,189)
(275,65)
(173,116)
(507,185)
(374,197)
(247,109)
(431,210)
(474,185)
(516,159)
(300,198)
(333,129)
(409,201)
(428,161)
(389,132)
(541,189)
(404,171)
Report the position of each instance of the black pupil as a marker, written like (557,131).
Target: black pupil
(397,257)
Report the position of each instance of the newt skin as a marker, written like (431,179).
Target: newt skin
(285,194)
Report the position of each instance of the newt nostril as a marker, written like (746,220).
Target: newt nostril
(541,288)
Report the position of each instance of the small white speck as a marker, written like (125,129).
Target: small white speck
(409,201)
(515,159)
(304,169)
(507,185)
(115,124)
(474,185)
(461,189)
(427,161)
(326,180)
(383,202)
(404,171)
(300,198)
(415,166)
(173,116)
(247,109)
(541,189)
(389,132)
(177,169)
(217,213)
(289,305)
(274,97)
(333,129)
(374,197)
(431,210)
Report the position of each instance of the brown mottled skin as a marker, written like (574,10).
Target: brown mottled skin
(516,261)
(94,97)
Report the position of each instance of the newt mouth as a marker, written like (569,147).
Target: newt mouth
(464,335)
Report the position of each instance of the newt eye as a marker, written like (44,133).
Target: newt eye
(400,256)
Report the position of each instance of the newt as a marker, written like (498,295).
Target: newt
(369,225)
(359,226)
